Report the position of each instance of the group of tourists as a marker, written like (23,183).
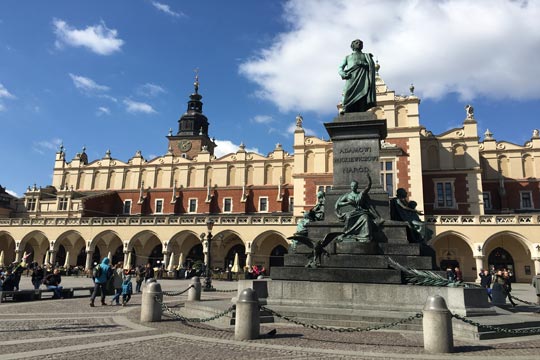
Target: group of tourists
(501,278)
(50,277)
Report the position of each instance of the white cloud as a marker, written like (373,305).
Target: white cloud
(47,145)
(150,90)
(4,93)
(138,107)
(98,38)
(480,48)
(225,147)
(262,119)
(87,85)
(166,9)
(103,110)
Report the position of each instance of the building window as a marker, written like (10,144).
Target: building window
(127,207)
(325,188)
(62,204)
(487,200)
(263,204)
(526,200)
(387,176)
(192,205)
(159,206)
(444,197)
(227,205)
(31,204)
(291,204)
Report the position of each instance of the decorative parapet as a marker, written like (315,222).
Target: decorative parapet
(483,219)
(153,220)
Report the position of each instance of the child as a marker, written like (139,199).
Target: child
(127,289)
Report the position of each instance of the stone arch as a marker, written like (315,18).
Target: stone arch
(504,166)
(401,117)
(192,177)
(455,249)
(458,152)
(309,166)
(517,246)
(106,242)
(221,244)
(159,179)
(249,175)
(100,180)
(142,244)
(287,169)
(528,166)
(69,241)
(130,180)
(268,174)
(231,176)
(39,242)
(182,243)
(209,172)
(262,246)
(7,245)
(329,166)
(433,161)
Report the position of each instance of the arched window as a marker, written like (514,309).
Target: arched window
(310,162)
(401,117)
(208,176)
(268,175)
(459,156)
(433,157)
(329,166)
(249,177)
(192,177)
(288,174)
(231,176)
(159,179)
(503,166)
(528,166)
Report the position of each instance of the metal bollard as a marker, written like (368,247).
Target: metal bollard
(437,326)
(150,308)
(247,324)
(194,293)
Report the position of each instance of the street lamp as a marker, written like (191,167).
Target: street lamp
(208,275)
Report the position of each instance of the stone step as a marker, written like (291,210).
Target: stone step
(360,261)
(345,275)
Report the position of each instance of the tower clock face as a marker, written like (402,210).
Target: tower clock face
(184,145)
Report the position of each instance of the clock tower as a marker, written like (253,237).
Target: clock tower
(192,136)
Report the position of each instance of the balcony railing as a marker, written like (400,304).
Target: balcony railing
(483,219)
(267,219)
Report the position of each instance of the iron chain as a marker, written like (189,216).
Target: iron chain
(226,291)
(176,293)
(177,316)
(523,301)
(496,328)
(342,329)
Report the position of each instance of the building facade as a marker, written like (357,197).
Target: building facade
(481,197)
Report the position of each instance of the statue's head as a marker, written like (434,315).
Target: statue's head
(320,195)
(357,45)
(401,193)
(413,204)
(354,185)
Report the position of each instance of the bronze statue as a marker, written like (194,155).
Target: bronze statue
(358,214)
(358,71)
(403,210)
(317,247)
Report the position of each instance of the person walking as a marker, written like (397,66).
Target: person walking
(139,273)
(536,284)
(148,272)
(127,289)
(507,286)
(485,281)
(100,275)
(117,283)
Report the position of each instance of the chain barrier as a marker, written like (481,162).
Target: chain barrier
(226,291)
(523,301)
(176,293)
(496,328)
(342,329)
(177,316)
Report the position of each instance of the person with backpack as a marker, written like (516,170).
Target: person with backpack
(100,275)
(127,288)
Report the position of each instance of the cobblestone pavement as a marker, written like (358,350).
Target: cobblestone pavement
(70,329)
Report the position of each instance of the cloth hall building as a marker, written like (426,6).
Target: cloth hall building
(480,196)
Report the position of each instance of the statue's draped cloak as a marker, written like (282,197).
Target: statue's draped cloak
(359,93)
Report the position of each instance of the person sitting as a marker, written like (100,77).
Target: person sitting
(52,281)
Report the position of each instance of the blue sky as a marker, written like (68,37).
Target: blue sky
(117,74)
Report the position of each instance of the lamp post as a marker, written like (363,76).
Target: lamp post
(208,275)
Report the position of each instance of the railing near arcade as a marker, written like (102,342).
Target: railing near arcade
(521,219)
(267,219)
